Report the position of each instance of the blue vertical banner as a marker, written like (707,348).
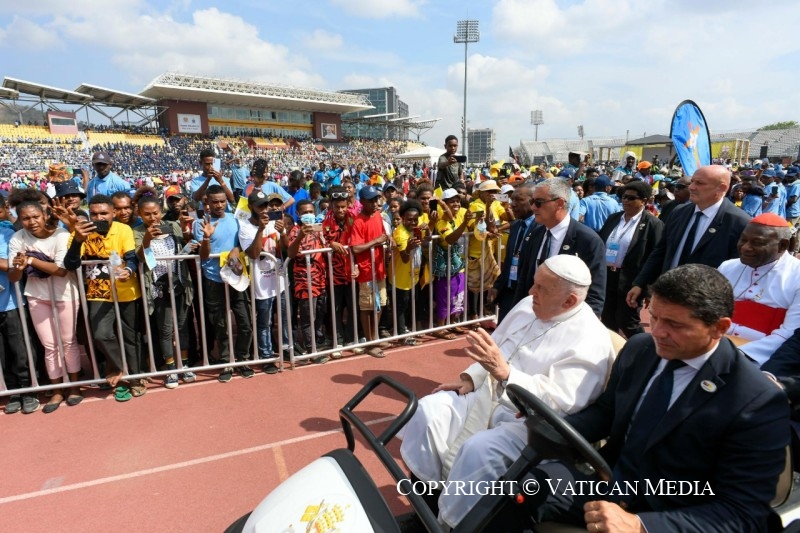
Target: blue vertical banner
(690,135)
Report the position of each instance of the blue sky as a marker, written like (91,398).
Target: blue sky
(609,65)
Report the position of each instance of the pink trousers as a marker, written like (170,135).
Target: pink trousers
(42,315)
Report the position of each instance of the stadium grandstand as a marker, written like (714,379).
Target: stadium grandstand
(738,145)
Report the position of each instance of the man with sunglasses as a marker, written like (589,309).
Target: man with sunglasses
(558,233)
(681,193)
(104,181)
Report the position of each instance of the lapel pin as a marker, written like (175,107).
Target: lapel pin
(712,230)
(708,386)
(565,247)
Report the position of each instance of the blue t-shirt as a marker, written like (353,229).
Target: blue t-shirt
(301,194)
(108,185)
(224,239)
(8,296)
(793,189)
(239,176)
(752,203)
(598,207)
(198,182)
(776,204)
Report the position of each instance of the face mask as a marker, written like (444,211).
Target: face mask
(308,219)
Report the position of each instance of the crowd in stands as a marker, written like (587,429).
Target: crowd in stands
(454,243)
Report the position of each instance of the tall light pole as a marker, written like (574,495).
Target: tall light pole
(466,32)
(537,118)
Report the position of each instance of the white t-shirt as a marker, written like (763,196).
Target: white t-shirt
(268,283)
(55,247)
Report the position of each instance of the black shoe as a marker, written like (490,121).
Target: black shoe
(29,404)
(299,350)
(324,345)
(14,404)
(226,375)
(246,371)
(271,368)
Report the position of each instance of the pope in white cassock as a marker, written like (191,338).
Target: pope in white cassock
(766,288)
(551,343)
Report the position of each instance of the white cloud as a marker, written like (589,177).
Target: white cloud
(211,42)
(379,9)
(323,41)
(23,33)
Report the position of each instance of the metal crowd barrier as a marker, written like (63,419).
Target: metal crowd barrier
(254,360)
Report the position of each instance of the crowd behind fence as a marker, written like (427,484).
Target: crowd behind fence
(421,300)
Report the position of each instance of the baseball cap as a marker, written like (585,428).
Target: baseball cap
(257,198)
(389,185)
(769,173)
(101,157)
(368,193)
(602,181)
(792,171)
(643,165)
(172,192)
(505,189)
(449,193)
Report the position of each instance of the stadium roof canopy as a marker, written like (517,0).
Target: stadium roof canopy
(45,91)
(115,98)
(220,91)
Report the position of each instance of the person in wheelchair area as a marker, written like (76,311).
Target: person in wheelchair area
(682,405)
(551,343)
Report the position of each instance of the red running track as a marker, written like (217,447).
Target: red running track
(197,457)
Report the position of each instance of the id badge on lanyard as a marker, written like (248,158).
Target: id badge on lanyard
(512,272)
(612,250)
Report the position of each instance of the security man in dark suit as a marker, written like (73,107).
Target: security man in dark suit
(705,231)
(558,233)
(630,237)
(504,289)
(682,405)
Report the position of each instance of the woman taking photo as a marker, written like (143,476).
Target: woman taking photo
(155,239)
(39,250)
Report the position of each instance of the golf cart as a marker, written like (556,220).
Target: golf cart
(335,493)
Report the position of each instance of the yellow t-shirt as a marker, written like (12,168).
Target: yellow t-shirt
(98,281)
(445,228)
(402,271)
(475,245)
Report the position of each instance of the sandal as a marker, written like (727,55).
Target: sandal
(122,394)
(138,389)
(444,335)
(376,352)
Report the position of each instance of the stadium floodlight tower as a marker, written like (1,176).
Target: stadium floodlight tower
(466,32)
(536,120)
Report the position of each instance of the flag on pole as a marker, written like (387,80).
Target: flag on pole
(691,137)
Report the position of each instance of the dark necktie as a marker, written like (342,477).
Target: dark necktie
(689,244)
(653,408)
(520,234)
(545,251)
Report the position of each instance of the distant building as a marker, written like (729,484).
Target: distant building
(387,107)
(480,145)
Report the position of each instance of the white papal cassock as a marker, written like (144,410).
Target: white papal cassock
(476,437)
(767,304)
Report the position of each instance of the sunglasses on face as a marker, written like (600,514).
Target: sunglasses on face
(630,198)
(539,202)
(340,195)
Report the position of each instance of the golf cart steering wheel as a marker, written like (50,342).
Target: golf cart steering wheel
(547,420)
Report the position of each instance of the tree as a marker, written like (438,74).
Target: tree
(780,125)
